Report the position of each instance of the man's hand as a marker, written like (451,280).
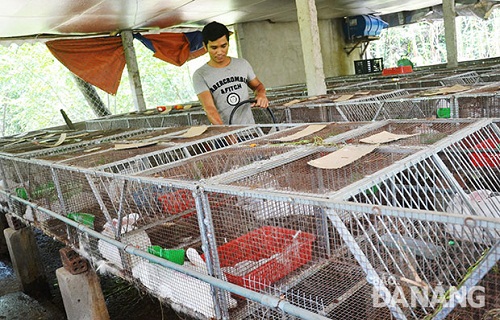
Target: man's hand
(260,93)
(261,101)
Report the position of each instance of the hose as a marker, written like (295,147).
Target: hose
(271,114)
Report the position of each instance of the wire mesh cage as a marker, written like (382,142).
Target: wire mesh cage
(355,256)
(493,76)
(363,108)
(198,118)
(215,137)
(465,173)
(438,102)
(307,134)
(206,166)
(53,141)
(482,102)
(103,155)
(263,116)
(417,133)
(418,221)
(309,179)
(355,86)
(466,78)
(154,120)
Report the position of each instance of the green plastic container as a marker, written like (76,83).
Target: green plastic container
(174,255)
(21,193)
(86,219)
(443,112)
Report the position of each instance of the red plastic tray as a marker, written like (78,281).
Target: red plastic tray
(264,243)
(397,70)
(488,158)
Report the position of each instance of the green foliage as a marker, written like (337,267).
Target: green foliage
(35,86)
(424,42)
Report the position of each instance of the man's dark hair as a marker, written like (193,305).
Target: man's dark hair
(214,31)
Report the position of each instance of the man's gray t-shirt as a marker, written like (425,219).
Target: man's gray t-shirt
(228,86)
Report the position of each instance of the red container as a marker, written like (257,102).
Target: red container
(397,70)
(488,158)
(275,251)
(178,201)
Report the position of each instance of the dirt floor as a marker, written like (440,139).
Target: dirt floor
(123,300)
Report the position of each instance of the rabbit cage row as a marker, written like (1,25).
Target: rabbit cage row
(257,237)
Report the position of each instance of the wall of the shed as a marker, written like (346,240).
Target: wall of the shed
(275,53)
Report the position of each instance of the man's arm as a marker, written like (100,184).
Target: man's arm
(260,92)
(208,104)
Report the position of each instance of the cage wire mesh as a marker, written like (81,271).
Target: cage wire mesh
(215,137)
(362,108)
(140,120)
(466,78)
(328,131)
(299,250)
(355,86)
(255,251)
(308,179)
(420,133)
(411,253)
(480,103)
(51,141)
(214,163)
(92,140)
(462,178)
(108,154)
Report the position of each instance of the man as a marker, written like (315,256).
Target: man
(223,82)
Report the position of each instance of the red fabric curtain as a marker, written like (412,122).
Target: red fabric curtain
(99,61)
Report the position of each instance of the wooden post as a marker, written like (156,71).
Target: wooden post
(133,70)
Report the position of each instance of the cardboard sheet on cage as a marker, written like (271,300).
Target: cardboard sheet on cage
(384,137)
(193,132)
(342,157)
(446,90)
(135,145)
(302,133)
(292,102)
(344,97)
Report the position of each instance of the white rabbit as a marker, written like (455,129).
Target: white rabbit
(40,216)
(193,293)
(139,239)
(152,276)
(483,203)
(180,288)
(267,209)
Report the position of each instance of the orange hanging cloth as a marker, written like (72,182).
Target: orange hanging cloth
(99,61)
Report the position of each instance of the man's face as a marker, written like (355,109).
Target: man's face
(218,49)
